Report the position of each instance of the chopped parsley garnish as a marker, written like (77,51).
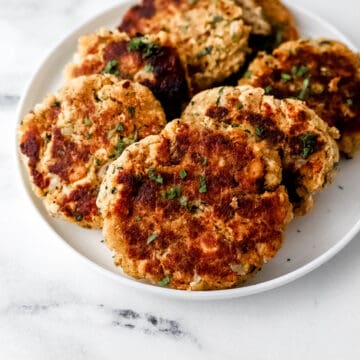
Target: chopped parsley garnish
(113,190)
(182,173)
(151,238)
(137,218)
(135,138)
(47,138)
(97,161)
(349,102)
(157,178)
(112,156)
(268,89)
(336,165)
(56,103)
(285,77)
(235,125)
(305,89)
(216,19)
(203,187)
(87,121)
(165,281)
(119,127)
(61,153)
(206,51)
(239,105)
(205,161)
(131,110)
(259,131)
(111,68)
(173,193)
(143,45)
(299,71)
(192,2)
(247,74)
(78,217)
(87,136)
(120,147)
(148,68)
(308,141)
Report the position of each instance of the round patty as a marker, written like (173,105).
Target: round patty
(211,36)
(323,73)
(149,60)
(70,138)
(305,143)
(196,207)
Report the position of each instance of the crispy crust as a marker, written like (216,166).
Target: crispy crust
(331,72)
(211,227)
(69,139)
(160,69)
(211,37)
(306,144)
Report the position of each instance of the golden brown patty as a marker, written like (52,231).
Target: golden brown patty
(323,73)
(305,142)
(70,138)
(149,60)
(211,37)
(196,207)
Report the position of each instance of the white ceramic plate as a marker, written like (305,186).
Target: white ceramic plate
(309,241)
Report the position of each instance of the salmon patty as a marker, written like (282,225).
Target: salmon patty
(70,138)
(305,143)
(197,207)
(323,73)
(150,60)
(211,36)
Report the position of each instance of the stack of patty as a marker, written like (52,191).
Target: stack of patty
(203,202)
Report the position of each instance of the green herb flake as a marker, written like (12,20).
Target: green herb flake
(166,280)
(148,68)
(97,161)
(87,136)
(308,141)
(78,217)
(239,105)
(336,165)
(131,110)
(349,102)
(182,174)
(247,74)
(135,137)
(206,51)
(143,45)
(302,70)
(47,138)
(112,156)
(157,178)
(87,121)
(192,2)
(305,89)
(119,127)
(111,68)
(151,238)
(173,193)
(203,186)
(113,190)
(205,161)
(268,89)
(259,131)
(216,19)
(137,218)
(120,147)
(56,104)
(61,153)
(285,77)
(235,125)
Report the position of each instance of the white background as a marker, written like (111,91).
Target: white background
(54,306)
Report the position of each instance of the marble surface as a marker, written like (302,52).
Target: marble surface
(54,306)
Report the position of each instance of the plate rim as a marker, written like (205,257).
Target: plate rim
(133,283)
